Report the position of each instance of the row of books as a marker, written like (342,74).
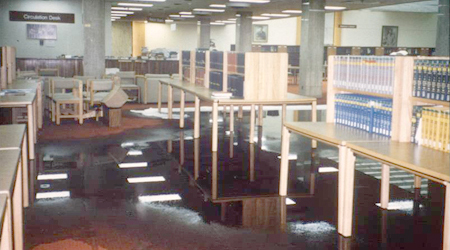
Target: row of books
(200,76)
(216,80)
(374,74)
(368,113)
(200,59)
(186,57)
(431,127)
(432,79)
(216,60)
(236,63)
(186,71)
(236,85)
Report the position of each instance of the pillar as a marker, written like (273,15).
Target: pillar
(312,48)
(94,37)
(443,34)
(244,32)
(204,33)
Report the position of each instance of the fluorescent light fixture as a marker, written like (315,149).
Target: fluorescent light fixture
(124,8)
(328,170)
(169,21)
(115,17)
(232,19)
(292,11)
(136,4)
(159,197)
(399,205)
(174,16)
(334,8)
(48,195)
(291,157)
(146,179)
(217,23)
(275,15)
(118,15)
(133,165)
(187,16)
(52,177)
(250,1)
(134,152)
(290,201)
(208,10)
(121,12)
(227,21)
(260,17)
(127,144)
(185,13)
(217,6)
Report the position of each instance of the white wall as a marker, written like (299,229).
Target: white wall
(281,31)
(70,35)
(161,36)
(414,29)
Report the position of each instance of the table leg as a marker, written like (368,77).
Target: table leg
(284,162)
(17,206)
(346,188)
(182,98)
(196,158)
(384,199)
(252,163)
(181,148)
(252,124)
(314,111)
(159,96)
(169,146)
(25,181)
(39,105)
(35,119)
(417,181)
(260,115)
(6,241)
(214,175)
(215,126)
(446,235)
(231,118)
(30,131)
(240,112)
(169,101)
(197,118)
(146,91)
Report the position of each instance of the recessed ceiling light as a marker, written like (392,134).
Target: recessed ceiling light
(135,152)
(124,8)
(217,6)
(209,10)
(146,179)
(116,15)
(169,21)
(122,12)
(48,195)
(251,1)
(133,165)
(226,21)
(260,17)
(174,15)
(275,15)
(161,197)
(185,13)
(334,8)
(232,19)
(136,4)
(292,11)
(328,170)
(217,23)
(187,16)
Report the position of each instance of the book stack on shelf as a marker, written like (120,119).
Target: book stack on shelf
(216,80)
(186,65)
(200,68)
(432,79)
(368,113)
(431,127)
(236,73)
(372,74)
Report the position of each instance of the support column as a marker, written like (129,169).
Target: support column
(443,30)
(204,33)
(311,49)
(244,32)
(94,37)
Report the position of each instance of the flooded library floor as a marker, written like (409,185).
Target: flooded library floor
(159,188)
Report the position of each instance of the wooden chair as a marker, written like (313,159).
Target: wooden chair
(128,83)
(67,99)
(97,90)
(48,72)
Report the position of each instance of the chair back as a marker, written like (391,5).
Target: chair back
(48,72)
(157,76)
(96,87)
(84,79)
(127,77)
(63,85)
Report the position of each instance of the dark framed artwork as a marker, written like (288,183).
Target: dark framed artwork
(389,36)
(260,33)
(41,31)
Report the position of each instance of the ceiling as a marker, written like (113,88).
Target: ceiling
(164,9)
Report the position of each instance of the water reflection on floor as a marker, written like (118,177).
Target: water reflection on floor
(223,200)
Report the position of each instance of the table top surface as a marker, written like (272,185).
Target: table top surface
(418,159)
(17,100)
(11,136)
(331,133)
(25,84)
(3,199)
(8,170)
(206,94)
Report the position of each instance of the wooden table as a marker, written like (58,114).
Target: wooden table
(13,137)
(5,224)
(36,85)
(421,161)
(202,93)
(11,186)
(27,100)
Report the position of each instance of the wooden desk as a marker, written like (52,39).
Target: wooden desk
(421,161)
(28,101)
(11,186)
(37,85)
(5,224)
(205,94)
(13,137)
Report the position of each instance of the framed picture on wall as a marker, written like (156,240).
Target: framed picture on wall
(260,33)
(389,35)
(41,31)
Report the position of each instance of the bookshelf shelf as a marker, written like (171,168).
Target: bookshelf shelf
(416,100)
(362,92)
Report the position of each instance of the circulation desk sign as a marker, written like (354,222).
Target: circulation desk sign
(41,17)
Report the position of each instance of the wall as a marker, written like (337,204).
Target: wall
(121,39)
(414,29)
(138,33)
(281,31)
(70,36)
(158,35)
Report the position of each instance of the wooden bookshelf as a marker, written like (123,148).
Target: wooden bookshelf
(187,66)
